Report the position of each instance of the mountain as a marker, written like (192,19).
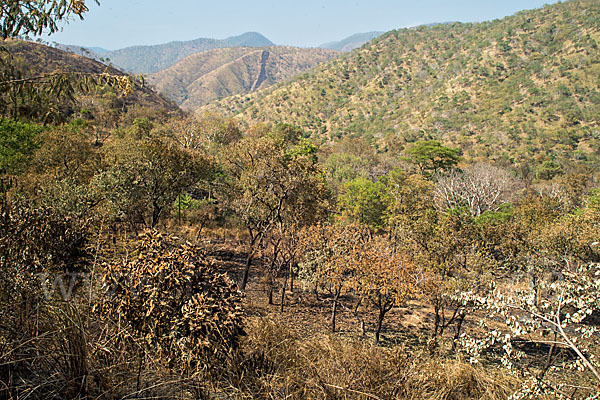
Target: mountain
(201,78)
(352,42)
(522,88)
(150,59)
(79,50)
(98,50)
(40,59)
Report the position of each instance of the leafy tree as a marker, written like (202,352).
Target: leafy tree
(270,177)
(431,156)
(548,170)
(384,277)
(365,202)
(329,261)
(18,142)
(143,178)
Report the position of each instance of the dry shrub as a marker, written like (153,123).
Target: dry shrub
(278,364)
(174,304)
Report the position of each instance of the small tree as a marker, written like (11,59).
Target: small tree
(272,183)
(385,278)
(331,252)
(174,303)
(144,177)
(479,187)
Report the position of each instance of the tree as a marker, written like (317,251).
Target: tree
(365,202)
(479,187)
(18,142)
(385,277)
(22,17)
(562,321)
(143,177)
(431,156)
(268,177)
(174,303)
(330,259)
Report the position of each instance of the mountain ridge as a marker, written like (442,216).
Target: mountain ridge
(352,42)
(153,58)
(204,77)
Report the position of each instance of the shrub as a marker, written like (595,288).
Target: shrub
(174,303)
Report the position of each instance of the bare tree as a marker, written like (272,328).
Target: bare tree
(480,187)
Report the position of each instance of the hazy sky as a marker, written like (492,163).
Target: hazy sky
(306,23)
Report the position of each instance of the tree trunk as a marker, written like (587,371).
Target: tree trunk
(283,287)
(291,277)
(253,239)
(246,270)
(459,322)
(270,293)
(384,306)
(334,313)
(379,325)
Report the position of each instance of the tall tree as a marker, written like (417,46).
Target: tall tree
(270,175)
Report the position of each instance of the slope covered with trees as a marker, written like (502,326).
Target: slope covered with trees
(211,75)
(521,88)
(26,60)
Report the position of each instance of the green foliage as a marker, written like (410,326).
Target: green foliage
(432,157)
(365,202)
(548,170)
(18,141)
(143,177)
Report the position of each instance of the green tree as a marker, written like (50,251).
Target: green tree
(18,142)
(431,156)
(365,202)
(143,178)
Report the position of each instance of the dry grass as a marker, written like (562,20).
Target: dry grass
(277,364)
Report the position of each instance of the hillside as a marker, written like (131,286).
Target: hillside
(522,88)
(40,59)
(208,76)
(150,59)
(351,42)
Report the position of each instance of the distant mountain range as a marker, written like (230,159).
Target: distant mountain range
(203,77)
(150,59)
(352,42)
(512,89)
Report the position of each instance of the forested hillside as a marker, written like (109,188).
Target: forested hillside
(211,75)
(28,59)
(521,88)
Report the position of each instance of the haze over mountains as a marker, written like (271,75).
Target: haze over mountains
(521,87)
(352,42)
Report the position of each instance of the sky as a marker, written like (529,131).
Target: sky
(305,23)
